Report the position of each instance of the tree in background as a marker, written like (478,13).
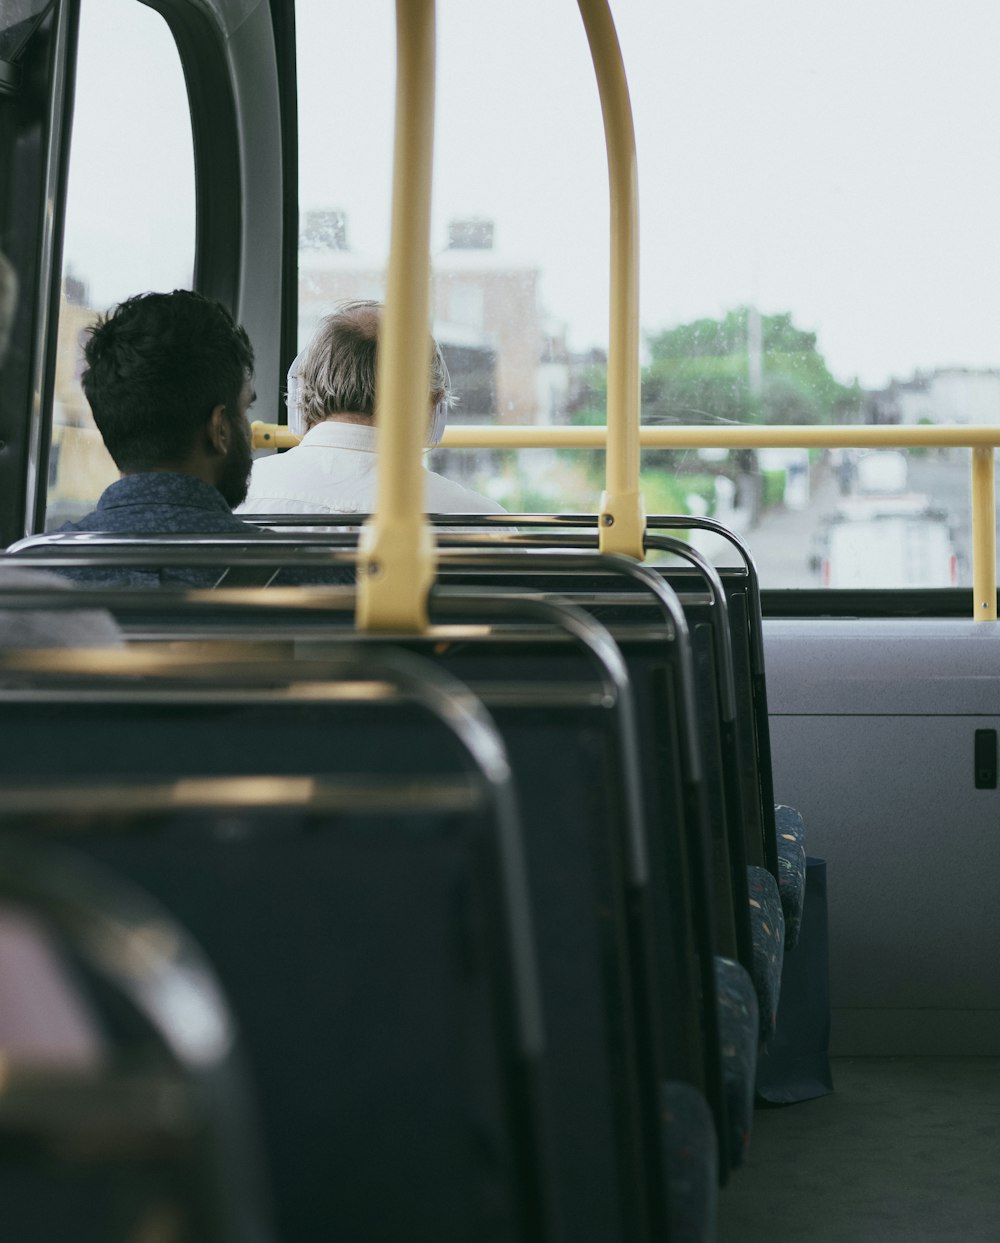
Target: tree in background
(743,368)
(704,370)
(668,477)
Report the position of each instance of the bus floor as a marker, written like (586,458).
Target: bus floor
(905,1150)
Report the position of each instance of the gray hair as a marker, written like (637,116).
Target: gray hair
(339,367)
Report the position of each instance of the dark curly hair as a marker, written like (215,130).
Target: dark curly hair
(157,366)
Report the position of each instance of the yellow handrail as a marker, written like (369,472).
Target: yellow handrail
(396,554)
(622,520)
(691,436)
(982,441)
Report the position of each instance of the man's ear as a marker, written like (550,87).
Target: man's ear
(219,431)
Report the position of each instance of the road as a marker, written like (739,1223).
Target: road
(782,541)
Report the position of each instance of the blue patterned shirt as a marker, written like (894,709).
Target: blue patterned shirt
(167,503)
(161,503)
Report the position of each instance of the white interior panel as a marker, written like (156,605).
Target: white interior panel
(872,730)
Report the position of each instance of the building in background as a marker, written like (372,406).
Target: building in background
(477,289)
(80,467)
(484,308)
(963,395)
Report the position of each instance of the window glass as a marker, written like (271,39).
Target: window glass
(130,222)
(520,188)
(818,211)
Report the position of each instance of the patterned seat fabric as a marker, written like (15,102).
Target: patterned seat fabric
(692,1163)
(738,1032)
(767,927)
(791,869)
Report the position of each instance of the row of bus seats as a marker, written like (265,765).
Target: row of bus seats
(499,909)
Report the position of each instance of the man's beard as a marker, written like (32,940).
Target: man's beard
(234,478)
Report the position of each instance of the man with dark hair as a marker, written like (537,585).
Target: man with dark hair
(169,379)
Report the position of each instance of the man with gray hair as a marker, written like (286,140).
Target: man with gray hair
(331,400)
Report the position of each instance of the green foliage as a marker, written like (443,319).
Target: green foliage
(774,488)
(920,450)
(701,370)
(574,484)
(688,390)
(576,481)
(668,493)
(590,416)
(718,338)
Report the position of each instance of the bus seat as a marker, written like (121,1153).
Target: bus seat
(748,924)
(692,1172)
(369,930)
(739,1023)
(561,699)
(152,560)
(680,855)
(705,1027)
(741,590)
(133,1120)
(791,869)
(768,924)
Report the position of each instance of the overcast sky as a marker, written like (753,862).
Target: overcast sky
(832,158)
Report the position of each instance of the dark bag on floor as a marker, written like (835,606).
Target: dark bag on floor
(795,1065)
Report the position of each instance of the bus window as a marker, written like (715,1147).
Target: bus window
(520,194)
(814,241)
(815,249)
(130,222)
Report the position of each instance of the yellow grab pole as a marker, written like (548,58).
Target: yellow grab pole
(622,519)
(396,555)
(984,535)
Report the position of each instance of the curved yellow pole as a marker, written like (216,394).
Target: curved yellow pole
(396,557)
(622,517)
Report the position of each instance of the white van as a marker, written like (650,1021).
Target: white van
(889,550)
(883,472)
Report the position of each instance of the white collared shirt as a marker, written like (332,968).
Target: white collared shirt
(332,471)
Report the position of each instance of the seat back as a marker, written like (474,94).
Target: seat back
(682,895)
(361,898)
(128,1113)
